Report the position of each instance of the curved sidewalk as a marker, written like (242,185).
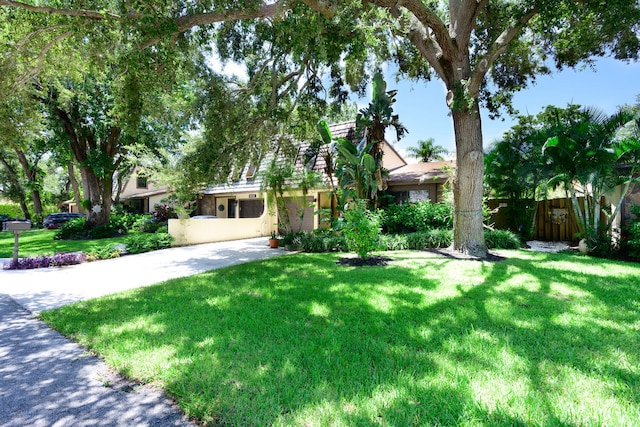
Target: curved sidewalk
(47,380)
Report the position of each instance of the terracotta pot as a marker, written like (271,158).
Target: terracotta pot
(274,243)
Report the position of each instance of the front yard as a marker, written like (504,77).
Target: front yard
(536,339)
(40,242)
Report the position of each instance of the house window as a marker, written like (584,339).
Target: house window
(419,195)
(252,208)
(251,172)
(141,182)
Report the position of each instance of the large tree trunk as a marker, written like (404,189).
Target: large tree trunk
(97,213)
(31,172)
(75,186)
(468,234)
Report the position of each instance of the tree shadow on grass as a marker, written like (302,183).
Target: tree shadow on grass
(300,341)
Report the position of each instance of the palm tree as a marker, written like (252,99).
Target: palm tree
(586,154)
(427,151)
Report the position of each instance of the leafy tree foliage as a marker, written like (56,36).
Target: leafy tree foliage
(483,51)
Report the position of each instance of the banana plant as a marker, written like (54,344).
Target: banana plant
(356,169)
(376,118)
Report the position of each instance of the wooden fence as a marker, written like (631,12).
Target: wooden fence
(554,219)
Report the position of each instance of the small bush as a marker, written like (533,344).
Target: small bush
(140,243)
(46,261)
(323,243)
(361,229)
(104,231)
(150,225)
(76,229)
(414,217)
(393,242)
(162,213)
(126,221)
(630,242)
(104,252)
(11,209)
(432,239)
(292,240)
(502,239)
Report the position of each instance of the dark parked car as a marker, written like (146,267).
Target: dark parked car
(55,220)
(4,218)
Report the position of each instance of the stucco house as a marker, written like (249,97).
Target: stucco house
(141,194)
(238,209)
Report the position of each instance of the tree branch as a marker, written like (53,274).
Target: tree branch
(90,14)
(420,38)
(464,16)
(498,47)
(36,69)
(187,22)
(429,19)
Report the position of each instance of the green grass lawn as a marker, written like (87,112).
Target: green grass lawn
(534,340)
(40,242)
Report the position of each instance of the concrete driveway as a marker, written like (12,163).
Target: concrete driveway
(47,288)
(47,380)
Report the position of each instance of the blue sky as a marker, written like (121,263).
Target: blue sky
(422,109)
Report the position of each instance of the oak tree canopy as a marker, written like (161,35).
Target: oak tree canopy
(482,50)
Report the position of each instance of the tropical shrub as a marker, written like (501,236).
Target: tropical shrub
(77,229)
(502,239)
(420,216)
(102,252)
(164,212)
(631,239)
(127,221)
(73,229)
(139,243)
(361,229)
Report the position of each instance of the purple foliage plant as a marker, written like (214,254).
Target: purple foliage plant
(45,261)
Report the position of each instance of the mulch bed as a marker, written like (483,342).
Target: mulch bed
(372,261)
(376,260)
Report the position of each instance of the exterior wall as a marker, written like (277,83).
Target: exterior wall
(632,198)
(391,159)
(309,222)
(130,187)
(196,231)
(155,200)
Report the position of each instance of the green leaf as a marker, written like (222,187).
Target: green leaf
(379,87)
(324,131)
(369,162)
(345,152)
(551,142)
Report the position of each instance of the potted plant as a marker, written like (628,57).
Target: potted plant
(274,242)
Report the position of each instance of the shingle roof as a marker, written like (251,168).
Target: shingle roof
(253,183)
(419,173)
(413,173)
